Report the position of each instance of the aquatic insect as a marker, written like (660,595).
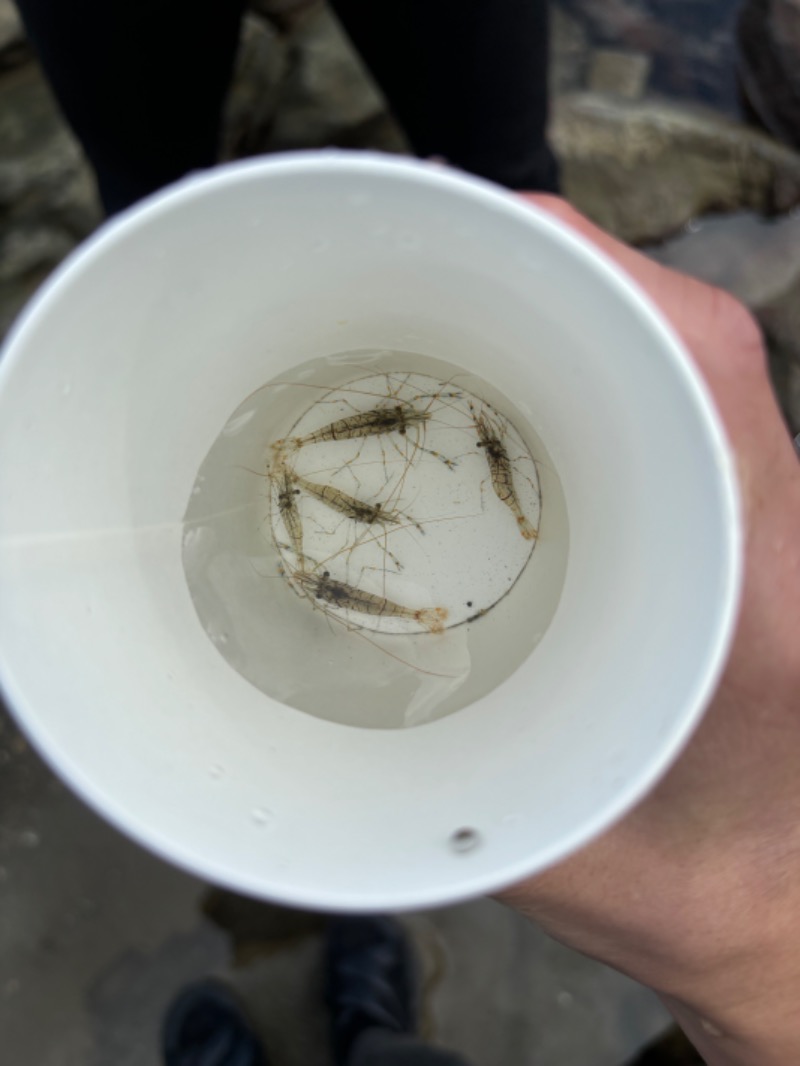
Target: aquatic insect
(500,471)
(352,507)
(287,505)
(391,414)
(371,423)
(347,597)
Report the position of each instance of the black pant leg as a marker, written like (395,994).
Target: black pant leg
(383,1047)
(466,78)
(142,83)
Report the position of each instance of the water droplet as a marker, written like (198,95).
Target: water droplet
(408,241)
(795,212)
(261,816)
(320,245)
(5,758)
(216,771)
(66,389)
(565,999)
(3,875)
(358,199)
(11,987)
(694,225)
(89,906)
(196,490)
(709,1027)
(464,840)
(170,677)
(222,638)
(511,820)
(29,838)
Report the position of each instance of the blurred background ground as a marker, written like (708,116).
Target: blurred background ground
(657,143)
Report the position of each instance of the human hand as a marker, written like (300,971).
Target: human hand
(697,892)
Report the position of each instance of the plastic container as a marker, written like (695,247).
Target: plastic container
(117,379)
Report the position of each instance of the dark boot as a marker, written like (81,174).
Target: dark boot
(206,1026)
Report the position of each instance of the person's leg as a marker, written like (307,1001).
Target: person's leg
(381,1047)
(206,1026)
(142,83)
(372,994)
(466,78)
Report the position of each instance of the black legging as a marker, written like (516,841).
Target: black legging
(142,82)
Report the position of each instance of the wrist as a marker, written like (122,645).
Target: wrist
(710,925)
(755,1034)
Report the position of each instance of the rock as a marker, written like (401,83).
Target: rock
(327,93)
(691,43)
(758,261)
(261,66)
(620,22)
(43,173)
(622,74)
(27,255)
(283,14)
(15,294)
(643,170)
(769,64)
(28,249)
(755,259)
(13,45)
(47,197)
(569,52)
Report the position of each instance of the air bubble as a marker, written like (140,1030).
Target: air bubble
(261,816)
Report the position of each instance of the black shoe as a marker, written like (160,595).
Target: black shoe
(370,980)
(206,1026)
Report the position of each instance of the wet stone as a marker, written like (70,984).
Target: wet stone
(620,73)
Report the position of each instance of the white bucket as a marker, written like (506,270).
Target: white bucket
(120,375)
